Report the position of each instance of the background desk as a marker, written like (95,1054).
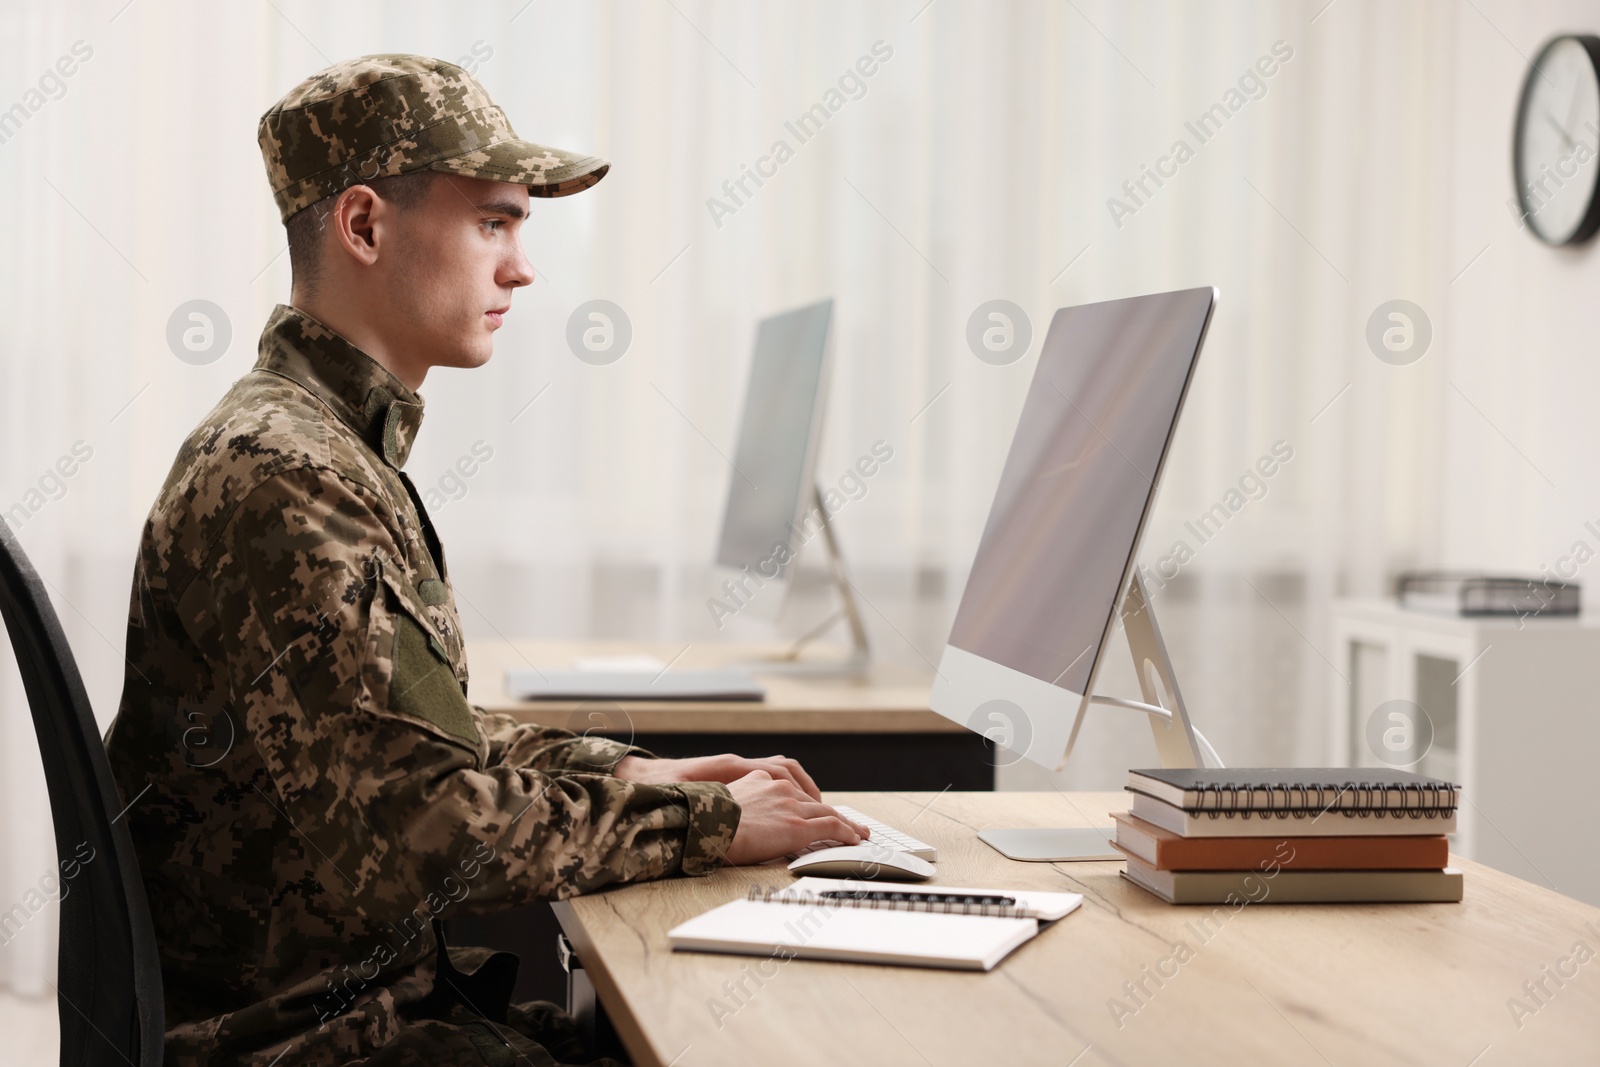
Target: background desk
(1275,984)
(874,732)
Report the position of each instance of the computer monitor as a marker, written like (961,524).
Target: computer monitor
(773,508)
(1056,563)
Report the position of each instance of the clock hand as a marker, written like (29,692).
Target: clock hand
(1559,129)
(1572,109)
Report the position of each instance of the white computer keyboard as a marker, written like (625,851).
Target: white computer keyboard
(882,833)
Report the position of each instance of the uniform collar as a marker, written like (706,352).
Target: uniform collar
(372,401)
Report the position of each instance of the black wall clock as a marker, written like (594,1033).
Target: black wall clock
(1554,151)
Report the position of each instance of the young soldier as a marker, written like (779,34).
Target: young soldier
(309,784)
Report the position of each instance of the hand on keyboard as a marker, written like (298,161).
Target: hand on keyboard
(882,834)
(777,816)
(726,768)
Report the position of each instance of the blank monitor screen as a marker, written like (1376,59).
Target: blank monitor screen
(1077,482)
(772,480)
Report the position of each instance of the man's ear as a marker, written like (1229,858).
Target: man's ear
(359,220)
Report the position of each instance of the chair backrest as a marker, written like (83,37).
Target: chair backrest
(108,984)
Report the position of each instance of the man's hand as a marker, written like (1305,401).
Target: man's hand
(776,817)
(780,807)
(725,768)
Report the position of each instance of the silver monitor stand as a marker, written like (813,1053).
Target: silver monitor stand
(1178,743)
(860,657)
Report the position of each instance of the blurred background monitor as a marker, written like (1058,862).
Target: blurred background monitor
(770,512)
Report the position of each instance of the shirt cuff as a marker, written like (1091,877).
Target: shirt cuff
(713,818)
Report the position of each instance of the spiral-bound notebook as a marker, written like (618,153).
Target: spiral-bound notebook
(875,922)
(1320,801)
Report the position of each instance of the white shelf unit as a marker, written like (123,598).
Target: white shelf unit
(1515,709)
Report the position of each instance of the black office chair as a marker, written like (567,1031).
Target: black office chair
(109,982)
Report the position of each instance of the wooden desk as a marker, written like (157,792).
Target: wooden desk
(1271,984)
(874,732)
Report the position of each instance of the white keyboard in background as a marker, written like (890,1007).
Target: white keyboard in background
(882,834)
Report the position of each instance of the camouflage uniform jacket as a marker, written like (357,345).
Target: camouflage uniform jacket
(309,787)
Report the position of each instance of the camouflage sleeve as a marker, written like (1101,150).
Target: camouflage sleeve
(370,748)
(547,748)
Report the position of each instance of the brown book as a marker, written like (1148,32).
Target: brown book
(1167,851)
(1237,888)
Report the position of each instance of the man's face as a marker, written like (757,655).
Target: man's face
(460,256)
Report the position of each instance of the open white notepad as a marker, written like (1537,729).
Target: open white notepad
(876,922)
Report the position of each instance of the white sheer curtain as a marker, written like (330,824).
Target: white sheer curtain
(975,162)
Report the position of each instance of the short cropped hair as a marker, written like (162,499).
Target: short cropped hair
(304,227)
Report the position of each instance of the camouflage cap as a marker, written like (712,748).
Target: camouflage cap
(396,114)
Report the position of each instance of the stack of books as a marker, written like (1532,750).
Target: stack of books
(1453,593)
(1296,836)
